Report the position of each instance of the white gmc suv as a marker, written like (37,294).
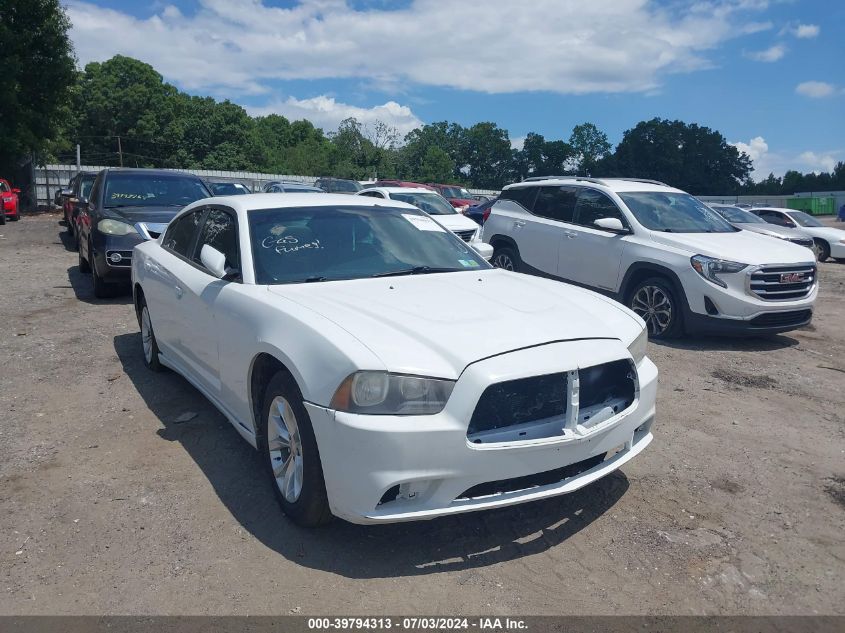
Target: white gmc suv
(658,250)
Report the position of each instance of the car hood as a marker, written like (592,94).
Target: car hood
(436,325)
(150,214)
(770,229)
(456,222)
(741,246)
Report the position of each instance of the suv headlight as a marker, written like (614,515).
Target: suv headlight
(382,393)
(637,348)
(115,227)
(709,268)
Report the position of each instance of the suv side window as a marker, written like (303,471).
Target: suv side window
(556,203)
(180,235)
(220,231)
(524,196)
(593,205)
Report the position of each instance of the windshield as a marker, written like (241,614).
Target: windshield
(4,187)
(804,219)
(312,244)
(85,186)
(738,216)
(341,185)
(228,189)
(141,190)
(455,192)
(432,203)
(674,213)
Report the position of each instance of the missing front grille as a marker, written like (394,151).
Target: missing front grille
(516,402)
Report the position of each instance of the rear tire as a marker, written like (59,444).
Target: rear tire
(822,249)
(657,303)
(290,455)
(16,217)
(2,217)
(506,258)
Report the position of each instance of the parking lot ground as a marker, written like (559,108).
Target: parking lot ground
(126,492)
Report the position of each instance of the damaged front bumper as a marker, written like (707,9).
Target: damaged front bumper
(381,469)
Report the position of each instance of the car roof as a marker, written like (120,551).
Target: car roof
(258,201)
(399,190)
(617,185)
(149,172)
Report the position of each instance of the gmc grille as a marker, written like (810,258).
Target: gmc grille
(783,283)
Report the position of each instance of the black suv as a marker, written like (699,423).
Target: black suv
(126,207)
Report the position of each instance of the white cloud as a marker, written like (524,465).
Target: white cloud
(561,46)
(778,163)
(327,113)
(771,54)
(807,31)
(815,89)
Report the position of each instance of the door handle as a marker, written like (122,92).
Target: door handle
(570,234)
(518,224)
(178,290)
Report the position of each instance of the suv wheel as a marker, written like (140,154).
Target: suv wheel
(506,258)
(656,302)
(821,249)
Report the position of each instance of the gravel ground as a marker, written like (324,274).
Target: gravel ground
(110,503)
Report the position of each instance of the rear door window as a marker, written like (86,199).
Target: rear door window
(556,203)
(523,196)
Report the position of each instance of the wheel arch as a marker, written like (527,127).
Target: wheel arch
(262,368)
(498,241)
(137,297)
(641,271)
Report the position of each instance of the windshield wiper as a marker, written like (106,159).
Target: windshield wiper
(314,279)
(416,270)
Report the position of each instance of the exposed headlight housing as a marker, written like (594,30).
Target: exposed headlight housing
(382,393)
(115,227)
(638,346)
(709,268)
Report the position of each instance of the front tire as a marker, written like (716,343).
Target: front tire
(657,303)
(102,289)
(149,345)
(822,249)
(289,451)
(506,258)
(2,217)
(84,265)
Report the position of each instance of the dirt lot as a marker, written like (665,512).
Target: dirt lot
(110,504)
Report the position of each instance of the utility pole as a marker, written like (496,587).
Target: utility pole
(120,151)
(78,159)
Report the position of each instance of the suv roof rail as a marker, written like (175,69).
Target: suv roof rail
(584,178)
(646,180)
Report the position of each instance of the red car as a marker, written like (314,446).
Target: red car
(9,197)
(457,196)
(401,183)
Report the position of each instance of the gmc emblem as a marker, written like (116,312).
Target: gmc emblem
(791,278)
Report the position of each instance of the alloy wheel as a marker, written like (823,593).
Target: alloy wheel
(503,261)
(147,334)
(654,306)
(285,448)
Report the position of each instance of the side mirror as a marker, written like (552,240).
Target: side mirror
(483,249)
(611,224)
(213,260)
(82,201)
(15,190)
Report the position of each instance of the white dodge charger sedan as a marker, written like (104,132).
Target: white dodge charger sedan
(384,370)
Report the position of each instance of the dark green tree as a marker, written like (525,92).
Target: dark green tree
(688,156)
(487,155)
(589,145)
(38,72)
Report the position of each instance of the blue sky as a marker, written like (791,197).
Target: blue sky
(768,74)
